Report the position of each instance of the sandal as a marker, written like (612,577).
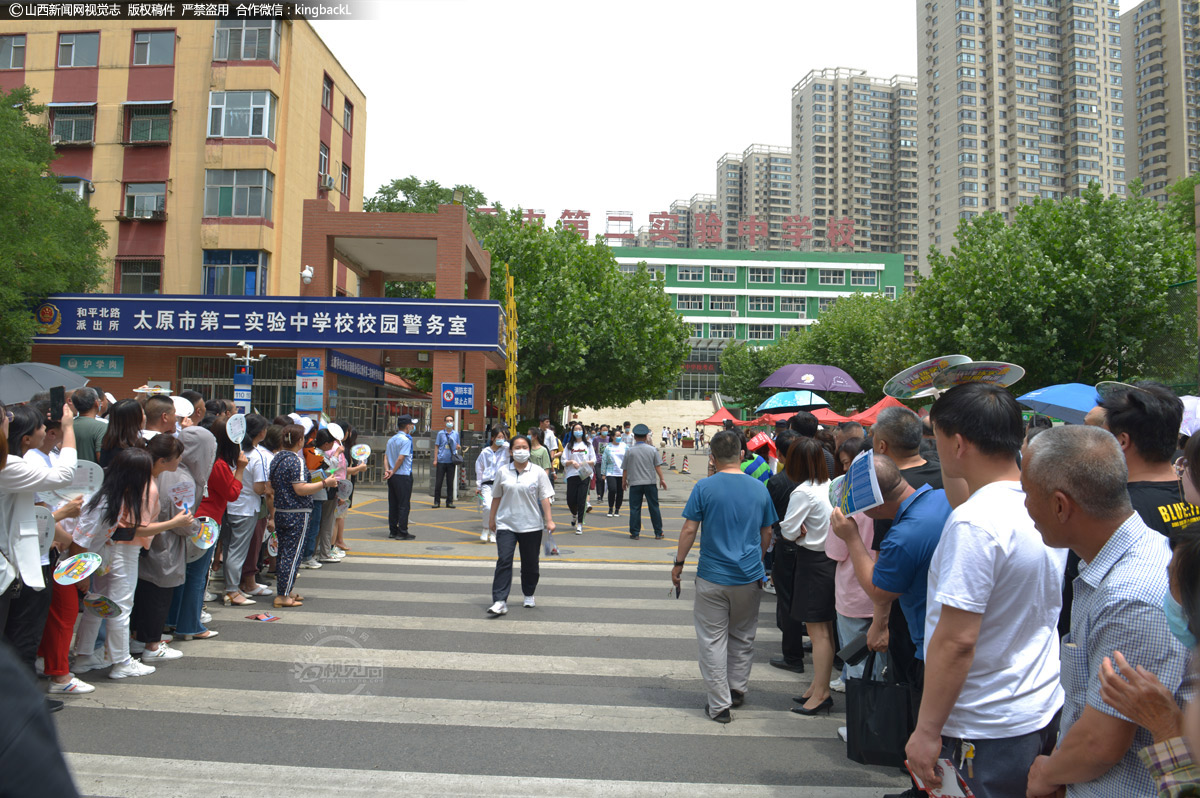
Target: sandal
(205,635)
(259,590)
(286,601)
(229,600)
(297,597)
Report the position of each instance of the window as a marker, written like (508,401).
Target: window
(232,193)
(697,330)
(323,160)
(762,303)
(889,292)
(690,302)
(235,272)
(139,276)
(74,124)
(760,332)
(722,274)
(12,52)
(78,49)
(825,303)
(760,275)
(77,188)
(716,302)
(833,277)
(794,304)
(345,180)
(720,330)
(154,48)
(241,115)
(149,124)
(691,274)
(144,200)
(793,276)
(862,277)
(327,93)
(348,116)
(247,40)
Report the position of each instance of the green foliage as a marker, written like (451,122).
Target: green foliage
(50,241)
(588,334)
(1181,203)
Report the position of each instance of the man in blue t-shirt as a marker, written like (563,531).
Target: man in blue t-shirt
(737,514)
(447,447)
(902,571)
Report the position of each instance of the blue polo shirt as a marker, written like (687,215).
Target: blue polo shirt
(445,443)
(904,556)
(400,444)
(733,508)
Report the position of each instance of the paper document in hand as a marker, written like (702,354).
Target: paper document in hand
(858,490)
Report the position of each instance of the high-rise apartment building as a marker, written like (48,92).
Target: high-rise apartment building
(198,144)
(854,146)
(754,197)
(1018,100)
(729,197)
(1161,48)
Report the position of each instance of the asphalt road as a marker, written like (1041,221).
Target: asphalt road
(392,680)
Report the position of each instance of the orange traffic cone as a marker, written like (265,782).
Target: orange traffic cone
(685,466)
(672,461)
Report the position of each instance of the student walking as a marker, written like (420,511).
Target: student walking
(520,510)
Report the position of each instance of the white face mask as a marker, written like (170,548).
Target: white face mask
(449,425)
(520,455)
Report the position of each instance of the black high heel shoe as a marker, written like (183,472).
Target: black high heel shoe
(825,706)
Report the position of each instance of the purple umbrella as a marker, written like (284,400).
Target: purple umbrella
(813,378)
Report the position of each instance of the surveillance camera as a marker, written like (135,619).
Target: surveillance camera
(243,344)
(306,274)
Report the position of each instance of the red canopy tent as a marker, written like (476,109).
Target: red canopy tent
(718,419)
(828,417)
(869,415)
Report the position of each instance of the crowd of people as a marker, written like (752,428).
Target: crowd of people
(1036,586)
(279,493)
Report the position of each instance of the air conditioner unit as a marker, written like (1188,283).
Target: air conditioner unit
(733,314)
(327,182)
(142,213)
(56,139)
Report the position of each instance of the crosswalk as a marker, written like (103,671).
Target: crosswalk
(391,680)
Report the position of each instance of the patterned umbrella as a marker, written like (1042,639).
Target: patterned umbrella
(813,378)
(793,401)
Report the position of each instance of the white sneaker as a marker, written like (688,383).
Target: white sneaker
(205,617)
(90,662)
(483,536)
(311,562)
(130,667)
(579,529)
(330,558)
(842,732)
(608,515)
(210,596)
(499,608)
(491,538)
(529,601)
(338,553)
(163,652)
(136,646)
(73,687)
(837,685)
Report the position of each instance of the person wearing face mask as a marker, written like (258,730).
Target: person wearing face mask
(518,512)
(1074,482)
(447,445)
(578,460)
(399,454)
(487,464)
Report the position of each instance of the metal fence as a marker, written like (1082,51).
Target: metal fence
(1172,356)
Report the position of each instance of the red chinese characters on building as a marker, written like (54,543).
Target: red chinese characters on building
(712,367)
(664,226)
(752,229)
(708,228)
(619,226)
(531,215)
(797,229)
(578,220)
(840,232)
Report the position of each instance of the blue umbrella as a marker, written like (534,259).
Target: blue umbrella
(1070,401)
(792,400)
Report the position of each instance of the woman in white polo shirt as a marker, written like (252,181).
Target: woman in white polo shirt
(520,511)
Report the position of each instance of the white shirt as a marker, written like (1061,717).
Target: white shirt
(549,441)
(808,506)
(20,550)
(257,470)
(521,497)
(577,452)
(991,561)
(488,462)
(39,458)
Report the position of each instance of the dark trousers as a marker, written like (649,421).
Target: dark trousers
(151,604)
(1002,766)
(444,471)
(783,576)
(399,503)
(313,530)
(599,487)
(251,565)
(577,497)
(507,542)
(650,494)
(615,494)
(23,613)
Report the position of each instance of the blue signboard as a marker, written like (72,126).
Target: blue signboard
(310,363)
(353,367)
(94,365)
(458,396)
(345,322)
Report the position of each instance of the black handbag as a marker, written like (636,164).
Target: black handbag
(880,716)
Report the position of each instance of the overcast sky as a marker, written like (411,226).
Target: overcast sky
(600,106)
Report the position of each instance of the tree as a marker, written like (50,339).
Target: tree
(50,241)
(410,195)
(588,334)
(1181,202)
(1072,290)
